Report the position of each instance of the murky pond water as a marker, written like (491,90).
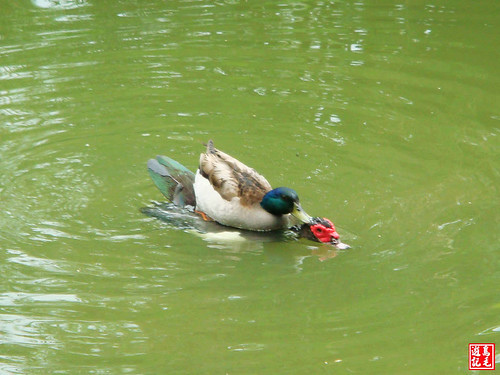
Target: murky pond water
(383,116)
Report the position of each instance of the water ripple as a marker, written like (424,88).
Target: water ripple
(26,331)
(247,347)
(18,298)
(48,265)
(59,4)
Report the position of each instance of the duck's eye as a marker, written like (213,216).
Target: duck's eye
(319,230)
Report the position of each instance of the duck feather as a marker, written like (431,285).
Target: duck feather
(231,178)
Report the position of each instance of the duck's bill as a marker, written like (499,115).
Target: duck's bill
(301,215)
(339,245)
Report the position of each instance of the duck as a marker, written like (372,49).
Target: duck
(225,190)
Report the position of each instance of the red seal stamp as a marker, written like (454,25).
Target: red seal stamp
(481,356)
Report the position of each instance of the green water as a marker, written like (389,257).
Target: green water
(384,116)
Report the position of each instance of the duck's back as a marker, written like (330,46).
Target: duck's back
(230,192)
(231,178)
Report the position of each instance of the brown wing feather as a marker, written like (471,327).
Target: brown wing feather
(231,178)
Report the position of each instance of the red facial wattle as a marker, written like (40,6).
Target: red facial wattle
(324,233)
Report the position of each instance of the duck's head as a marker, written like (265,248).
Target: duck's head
(322,230)
(282,201)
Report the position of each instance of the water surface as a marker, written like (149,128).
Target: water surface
(384,117)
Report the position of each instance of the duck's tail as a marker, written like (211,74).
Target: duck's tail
(173,179)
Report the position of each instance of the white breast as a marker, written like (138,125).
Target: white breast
(232,213)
